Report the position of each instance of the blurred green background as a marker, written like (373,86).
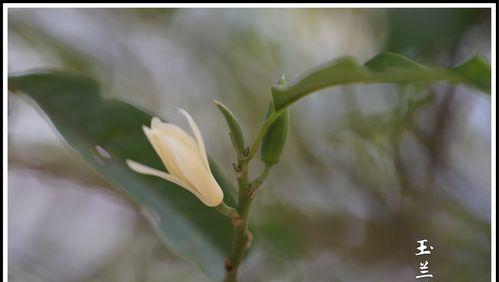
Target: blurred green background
(367,171)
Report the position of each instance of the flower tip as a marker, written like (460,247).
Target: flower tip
(185,114)
(155,122)
(131,164)
(219,198)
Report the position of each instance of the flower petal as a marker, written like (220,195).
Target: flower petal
(165,155)
(168,152)
(152,136)
(155,122)
(180,134)
(197,134)
(155,133)
(143,169)
(194,170)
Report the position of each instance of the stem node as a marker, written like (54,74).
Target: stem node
(237,221)
(236,167)
(228,264)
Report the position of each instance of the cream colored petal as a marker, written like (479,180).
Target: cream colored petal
(159,129)
(170,162)
(155,122)
(152,136)
(195,171)
(177,132)
(148,133)
(197,134)
(166,155)
(143,169)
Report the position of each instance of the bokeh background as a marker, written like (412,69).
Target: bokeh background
(367,171)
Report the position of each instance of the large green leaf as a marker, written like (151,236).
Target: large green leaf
(383,68)
(105,132)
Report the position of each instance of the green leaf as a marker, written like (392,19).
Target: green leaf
(236,134)
(392,62)
(275,138)
(105,132)
(476,72)
(383,68)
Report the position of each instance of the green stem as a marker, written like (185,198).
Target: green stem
(229,212)
(242,236)
(241,233)
(260,179)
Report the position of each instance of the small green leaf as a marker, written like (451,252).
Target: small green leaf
(105,132)
(276,135)
(236,134)
(383,68)
(341,71)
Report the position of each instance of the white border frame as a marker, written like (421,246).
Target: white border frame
(493,58)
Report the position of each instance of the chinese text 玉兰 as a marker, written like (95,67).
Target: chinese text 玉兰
(424,250)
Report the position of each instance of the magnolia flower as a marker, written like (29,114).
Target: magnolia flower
(184,157)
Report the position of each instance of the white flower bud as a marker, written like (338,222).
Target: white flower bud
(184,157)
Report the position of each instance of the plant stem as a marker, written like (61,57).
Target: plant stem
(229,212)
(259,180)
(242,236)
(241,233)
